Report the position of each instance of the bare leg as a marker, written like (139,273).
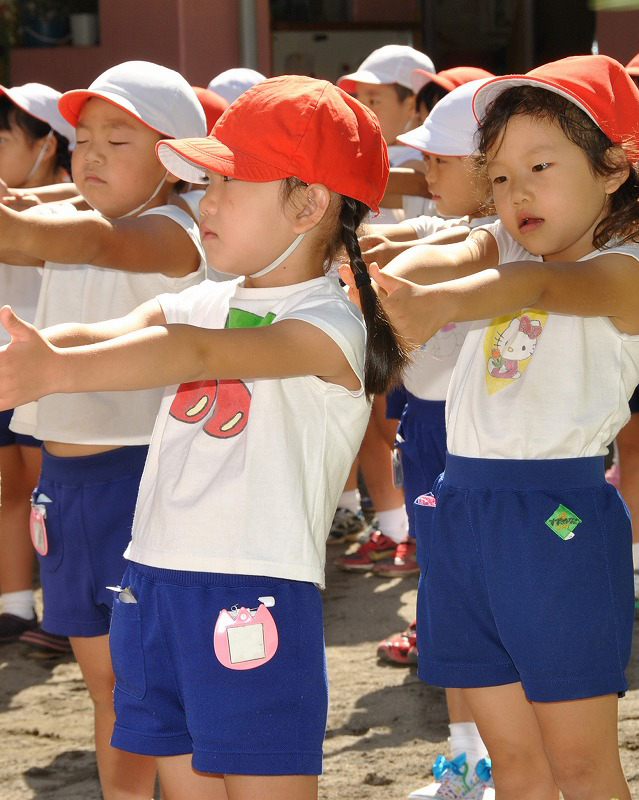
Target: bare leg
(580,739)
(123,776)
(18,479)
(458,708)
(510,730)
(181,782)
(271,787)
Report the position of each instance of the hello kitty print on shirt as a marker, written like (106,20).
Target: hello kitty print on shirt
(509,344)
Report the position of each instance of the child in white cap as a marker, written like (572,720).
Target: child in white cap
(231,83)
(35,143)
(383,83)
(140,241)
(217,631)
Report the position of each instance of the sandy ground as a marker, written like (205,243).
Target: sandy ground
(385,727)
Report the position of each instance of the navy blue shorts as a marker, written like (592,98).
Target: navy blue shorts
(526,576)
(89,504)
(395,402)
(633,403)
(421,438)
(173,696)
(8,437)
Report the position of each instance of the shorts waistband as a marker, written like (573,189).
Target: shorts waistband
(522,474)
(107,466)
(206,580)
(430,407)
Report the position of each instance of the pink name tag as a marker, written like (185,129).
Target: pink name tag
(245,638)
(38,528)
(426,500)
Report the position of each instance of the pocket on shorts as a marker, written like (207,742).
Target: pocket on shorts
(424,509)
(127,655)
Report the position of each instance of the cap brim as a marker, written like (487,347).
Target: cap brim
(71,104)
(436,143)
(485,95)
(420,78)
(188,158)
(348,82)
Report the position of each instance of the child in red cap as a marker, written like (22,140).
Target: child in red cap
(216,635)
(526,596)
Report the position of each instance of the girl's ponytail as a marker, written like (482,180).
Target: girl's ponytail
(386,353)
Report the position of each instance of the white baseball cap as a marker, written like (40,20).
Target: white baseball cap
(159,97)
(450,128)
(41,102)
(234,82)
(393,63)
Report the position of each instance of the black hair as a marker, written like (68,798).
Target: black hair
(429,95)
(386,352)
(621,224)
(402,92)
(13,116)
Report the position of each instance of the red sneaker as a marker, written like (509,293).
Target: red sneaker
(403,563)
(396,648)
(367,555)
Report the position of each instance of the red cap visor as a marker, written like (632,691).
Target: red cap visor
(187,158)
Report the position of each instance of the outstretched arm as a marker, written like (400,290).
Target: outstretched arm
(605,286)
(150,243)
(161,355)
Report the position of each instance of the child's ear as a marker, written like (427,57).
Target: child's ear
(619,161)
(315,199)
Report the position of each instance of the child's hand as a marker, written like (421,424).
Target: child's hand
(27,363)
(21,200)
(379,249)
(414,311)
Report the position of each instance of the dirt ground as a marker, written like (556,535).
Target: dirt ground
(385,727)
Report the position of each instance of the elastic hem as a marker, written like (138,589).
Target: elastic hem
(145,745)
(111,465)
(204,580)
(251,763)
(63,627)
(524,474)
(431,409)
(574,688)
(466,676)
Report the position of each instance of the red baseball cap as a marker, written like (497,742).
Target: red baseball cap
(213,105)
(448,79)
(633,65)
(598,85)
(290,126)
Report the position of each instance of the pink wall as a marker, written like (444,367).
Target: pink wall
(618,34)
(186,35)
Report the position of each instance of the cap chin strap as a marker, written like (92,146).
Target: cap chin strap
(38,160)
(146,202)
(279,260)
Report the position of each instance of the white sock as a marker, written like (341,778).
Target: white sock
(464,738)
(393,523)
(18,603)
(351,500)
(635,554)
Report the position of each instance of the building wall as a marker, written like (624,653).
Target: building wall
(618,34)
(199,38)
